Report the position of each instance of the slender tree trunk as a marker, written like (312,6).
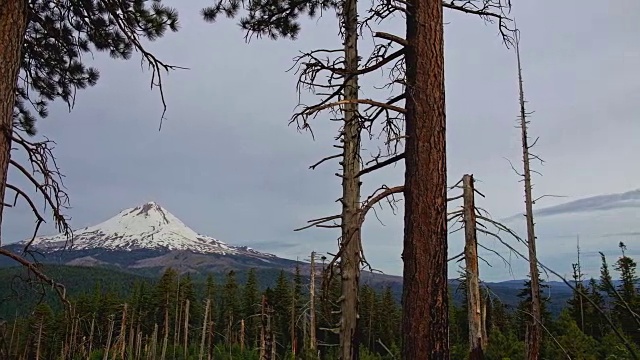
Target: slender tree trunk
(39,339)
(154,342)
(13,331)
(165,340)
(93,323)
(351,240)
(292,322)
(13,25)
(425,319)
(242,335)
(204,328)
(123,332)
(186,328)
(485,336)
(534,330)
(312,305)
(474,305)
(263,330)
(109,336)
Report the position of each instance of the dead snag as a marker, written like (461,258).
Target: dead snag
(534,327)
(474,303)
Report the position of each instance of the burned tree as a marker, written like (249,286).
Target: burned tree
(341,69)
(534,326)
(472,273)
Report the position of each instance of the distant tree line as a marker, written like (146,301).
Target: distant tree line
(173,318)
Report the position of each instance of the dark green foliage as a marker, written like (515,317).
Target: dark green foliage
(273,18)
(61,32)
(234,301)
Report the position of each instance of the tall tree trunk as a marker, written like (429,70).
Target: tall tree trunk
(474,304)
(93,323)
(425,319)
(186,329)
(204,328)
(13,25)
(109,337)
(165,340)
(534,330)
(350,260)
(312,305)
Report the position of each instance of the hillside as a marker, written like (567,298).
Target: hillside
(22,296)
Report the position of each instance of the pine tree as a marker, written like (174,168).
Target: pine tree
(627,297)
(281,302)
(251,307)
(230,307)
(523,315)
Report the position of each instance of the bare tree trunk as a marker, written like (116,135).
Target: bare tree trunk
(177,327)
(204,328)
(485,336)
(109,336)
(132,334)
(39,338)
(476,352)
(263,331)
(13,25)
(292,335)
(13,331)
(139,345)
(165,340)
(241,335)
(425,320)
(312,305)
(580,281)
(123,331)
(186,328)
(272,343)
(534,330)
(154,343)
(93,322)
(350,238)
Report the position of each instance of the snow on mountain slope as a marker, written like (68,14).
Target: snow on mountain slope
(148,226)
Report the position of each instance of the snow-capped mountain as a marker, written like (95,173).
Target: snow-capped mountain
(147,226)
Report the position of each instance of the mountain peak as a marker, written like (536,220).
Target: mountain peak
(150,209)
(147,226)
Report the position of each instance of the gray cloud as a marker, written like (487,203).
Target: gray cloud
(227,164)
(629,199)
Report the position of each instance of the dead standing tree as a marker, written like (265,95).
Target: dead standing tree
(533,339)
(339,92)
(474,305)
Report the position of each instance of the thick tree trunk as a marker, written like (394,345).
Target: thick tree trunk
(13,25)
(534,330)
(474,305)
(425,321)
(350,260)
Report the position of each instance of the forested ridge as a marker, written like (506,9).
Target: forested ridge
(236,316)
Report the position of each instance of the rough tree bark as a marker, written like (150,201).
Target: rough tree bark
(474,306)
(350,237)
(534,330)
(425,321)
(13,25)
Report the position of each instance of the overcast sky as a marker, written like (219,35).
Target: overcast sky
(229,166)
